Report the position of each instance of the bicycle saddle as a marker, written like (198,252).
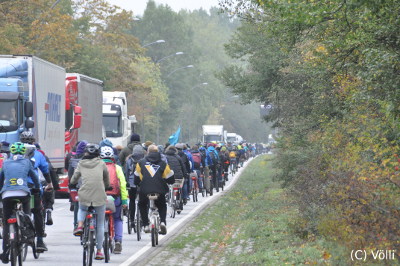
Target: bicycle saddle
(153,196)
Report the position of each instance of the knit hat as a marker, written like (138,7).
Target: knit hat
(80,149)
(105,142)
(135,137)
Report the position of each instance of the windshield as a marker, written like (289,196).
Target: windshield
(8,115)
(209,138)
(112,125)
(231,139)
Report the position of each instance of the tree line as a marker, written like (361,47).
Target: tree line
(330,70)
(109,43)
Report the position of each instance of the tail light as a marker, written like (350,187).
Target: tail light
(12,220)
(89,216)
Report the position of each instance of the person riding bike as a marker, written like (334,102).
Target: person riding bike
(153,175)
(118,192)
(39,163)
(14,185)
(93,173)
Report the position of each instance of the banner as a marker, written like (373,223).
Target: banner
(173,139)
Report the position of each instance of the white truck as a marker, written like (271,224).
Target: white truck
(32,87)
(234,138)
(213,133)
(117,124)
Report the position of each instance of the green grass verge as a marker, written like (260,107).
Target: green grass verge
(248,225)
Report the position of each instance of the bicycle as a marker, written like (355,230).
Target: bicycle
(195,187)
(154,219)
(88,238)
(109,234)
(211,186)
(21,234)
(138,221)
(175,197)
(232,166)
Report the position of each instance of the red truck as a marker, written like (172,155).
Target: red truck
(84,96)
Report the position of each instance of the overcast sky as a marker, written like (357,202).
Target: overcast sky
(138,6)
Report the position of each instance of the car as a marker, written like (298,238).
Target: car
(63,192)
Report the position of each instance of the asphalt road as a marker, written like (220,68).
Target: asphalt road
(65,249)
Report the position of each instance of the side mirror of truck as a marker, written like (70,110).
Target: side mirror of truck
(29,123)
(28,109)
(77,121)
(77,109)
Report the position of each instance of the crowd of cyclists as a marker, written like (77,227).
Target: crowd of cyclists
(100,174)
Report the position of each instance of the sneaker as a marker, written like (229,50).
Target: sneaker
(99,256)
(163,229)
(78,231)
(41,246)
(147,229)
(49,220)
(117,248)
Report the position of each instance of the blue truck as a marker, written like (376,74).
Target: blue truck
(32,97)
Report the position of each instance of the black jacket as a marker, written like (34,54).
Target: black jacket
(175,163)
(152,174)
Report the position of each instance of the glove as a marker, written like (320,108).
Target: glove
(35,191)
(109,188)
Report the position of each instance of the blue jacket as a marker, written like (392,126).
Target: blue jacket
(15,175)
(212,149)
(208,160)
(190,157)
(41,163)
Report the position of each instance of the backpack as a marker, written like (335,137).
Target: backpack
(114,180)
(196,160)
(213,158)
(27,228)
(232,154)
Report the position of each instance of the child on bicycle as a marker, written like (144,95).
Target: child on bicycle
(14,185)
(118,192)
(95,179)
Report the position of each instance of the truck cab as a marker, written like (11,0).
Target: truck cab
(117,124)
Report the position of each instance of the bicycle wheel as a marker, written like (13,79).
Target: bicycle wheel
(128,222)
(138,225)
(106,242)
(13,253)
(24,251)
(153,236)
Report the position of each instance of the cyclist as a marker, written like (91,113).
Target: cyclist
(224,158)
(39,163)
(153,175)
(49,194)
(197,165)
(214,166)
(137,154)
(206,161)
(93,173)
(14,185)
(72,164)
(188,167)
(125,152)
(108,143)
(176,164)
(118,192)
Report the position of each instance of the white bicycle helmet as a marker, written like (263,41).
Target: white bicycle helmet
(106,152)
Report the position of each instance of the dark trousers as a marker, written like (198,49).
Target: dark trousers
(8,205)
(38,215)
(48,199)
(132,204)
(144,205)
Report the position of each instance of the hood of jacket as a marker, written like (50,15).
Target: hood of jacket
(90,163)
(130,145)
(154,157)
(211,149)
(171,151)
